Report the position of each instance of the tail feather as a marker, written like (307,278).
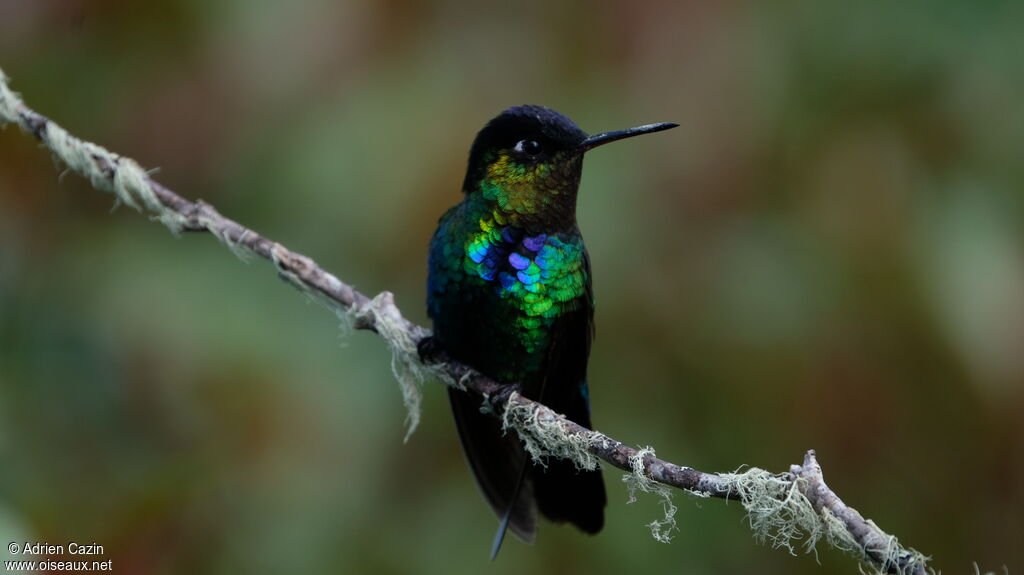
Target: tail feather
(565,494)
(516,488)
(503,525)
(498,464)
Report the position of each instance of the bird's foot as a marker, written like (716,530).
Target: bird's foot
(429,350)
(500,397)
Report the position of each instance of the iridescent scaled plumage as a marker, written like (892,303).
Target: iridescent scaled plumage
(533,278)
(539,196)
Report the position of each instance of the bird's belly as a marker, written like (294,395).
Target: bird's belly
(492,333)
(495,293)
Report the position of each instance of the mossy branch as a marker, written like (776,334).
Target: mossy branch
(788,510)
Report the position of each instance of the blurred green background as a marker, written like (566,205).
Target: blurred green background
(828,254)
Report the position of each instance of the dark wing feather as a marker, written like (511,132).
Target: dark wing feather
(564,493)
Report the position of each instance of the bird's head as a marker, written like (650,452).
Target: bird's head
(527,163)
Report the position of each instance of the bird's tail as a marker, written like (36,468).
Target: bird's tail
(565,494)
(498,464)
(503,525)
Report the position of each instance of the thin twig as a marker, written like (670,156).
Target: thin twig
(782,508)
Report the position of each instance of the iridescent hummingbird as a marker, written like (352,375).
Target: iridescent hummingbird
(510,293)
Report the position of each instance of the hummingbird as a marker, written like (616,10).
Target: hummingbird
(510,293)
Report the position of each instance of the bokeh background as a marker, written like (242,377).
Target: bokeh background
(828,254)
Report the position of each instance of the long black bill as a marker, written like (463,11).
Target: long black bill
(602,139)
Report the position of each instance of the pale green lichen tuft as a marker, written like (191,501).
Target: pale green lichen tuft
(238,247)
(405,362)
(661,529)
(889,553)
(780,515)
(546,437)
(837,535)
(778,512)
(383,315)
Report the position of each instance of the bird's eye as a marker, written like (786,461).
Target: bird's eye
(530,148)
